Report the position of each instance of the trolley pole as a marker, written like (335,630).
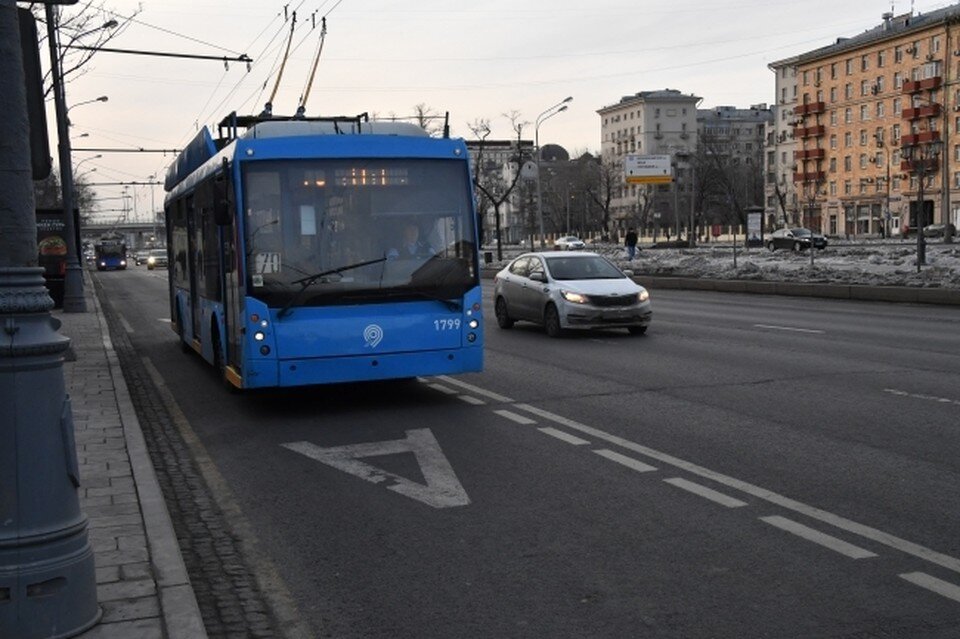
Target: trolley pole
(47,578)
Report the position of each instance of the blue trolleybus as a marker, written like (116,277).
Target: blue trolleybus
(318,250)
(110,254)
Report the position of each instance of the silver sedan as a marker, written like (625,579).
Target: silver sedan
(563,290)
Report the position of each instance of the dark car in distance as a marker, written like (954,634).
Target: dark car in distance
(796,239)
(939,230)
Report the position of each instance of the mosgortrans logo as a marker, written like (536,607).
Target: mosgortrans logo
(372,336)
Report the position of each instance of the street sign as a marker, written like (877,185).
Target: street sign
(442,488)
(647,169)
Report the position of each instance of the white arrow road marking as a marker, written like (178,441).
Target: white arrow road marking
(442,488)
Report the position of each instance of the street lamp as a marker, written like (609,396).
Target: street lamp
(102,98)
(92,157)
(547,114)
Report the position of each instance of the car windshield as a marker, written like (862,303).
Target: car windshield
(801,232)
(585,268)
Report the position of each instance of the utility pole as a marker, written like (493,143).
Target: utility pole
(47,577)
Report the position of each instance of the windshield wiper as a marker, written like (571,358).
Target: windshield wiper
(306,282)
(451,304)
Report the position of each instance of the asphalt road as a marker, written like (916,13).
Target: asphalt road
(752,467)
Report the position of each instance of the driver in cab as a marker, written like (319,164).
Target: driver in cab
(412,247)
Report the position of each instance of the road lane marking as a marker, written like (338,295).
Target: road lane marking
(476,389)
(443,389)
(939,586)
(706,493)
(126,325)
(629,462)
(929,398)
(817,537)
(812,512)
(791,329)
(567,437)
(470,399)
(442,488)
(520,419)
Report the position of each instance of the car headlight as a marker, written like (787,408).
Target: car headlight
(151,260)
(643,295)
(576,298)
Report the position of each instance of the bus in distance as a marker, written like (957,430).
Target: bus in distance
(321,250)
(110,254)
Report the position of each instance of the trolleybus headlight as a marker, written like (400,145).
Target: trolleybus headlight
(259,336)
(473,323)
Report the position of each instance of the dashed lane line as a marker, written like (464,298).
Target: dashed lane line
(939,586)
(706,493)
(790,329)
(514,417)
(862,530)
(470,399)
(476,390)
(443,389)
(929,398)
(629,462)
(562,436)
(817,537)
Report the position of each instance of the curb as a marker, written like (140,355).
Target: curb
(178,603)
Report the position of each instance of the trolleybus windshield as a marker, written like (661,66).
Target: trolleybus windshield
(339,231)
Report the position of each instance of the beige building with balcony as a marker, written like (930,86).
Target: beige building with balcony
(874,129)
(662,122)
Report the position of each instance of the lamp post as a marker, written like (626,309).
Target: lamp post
(73,300)
(547,114)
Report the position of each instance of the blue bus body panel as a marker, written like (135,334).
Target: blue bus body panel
(318,345)
(350,146)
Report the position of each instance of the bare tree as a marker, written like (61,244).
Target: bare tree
(89,25)
(428,119)
(607,178)
(488,179)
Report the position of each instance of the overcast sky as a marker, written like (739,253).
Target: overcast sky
(477,59)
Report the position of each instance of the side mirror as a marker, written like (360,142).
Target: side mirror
(628,272)
(538,276)
(221,197)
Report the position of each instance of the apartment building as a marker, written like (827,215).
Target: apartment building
(875,127)
(662,122)
(781,206)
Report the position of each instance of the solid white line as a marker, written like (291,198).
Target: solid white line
(476,389)
(442,389)
(929,398)
(629,462)
(470,399)
(939,586)
(559,434)
(789,328)
(873,534)
(126,324)
(520,419)
(706,493)
(817,537)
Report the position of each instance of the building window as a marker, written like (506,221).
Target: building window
(848,91)
(897,80)
(863,137)
(897,55)
(848,115)
(847,187)
(895,183)
(806,79)
(833,118)
(935,44)
(833,188)
(956,179)
(833,141)
(848,139)
(863,160)
(847,163)
(897,106)
(864,112)
(864,87)
(833,70)
(881,58)
(848,65)
(833,94)
(880,84)
(833,165)
(864,62)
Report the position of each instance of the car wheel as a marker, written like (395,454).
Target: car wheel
(219,365)
(184,347)
(637,330)
(771,247)
(503,317)
(551,321)
(797,247)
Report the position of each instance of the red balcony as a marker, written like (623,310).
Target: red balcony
(925,167)
(809,154)
(810,108)
(924,111)
(928,84)
(919,138)
(810,176)
(809,132)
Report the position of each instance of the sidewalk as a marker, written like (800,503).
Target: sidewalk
(142,583)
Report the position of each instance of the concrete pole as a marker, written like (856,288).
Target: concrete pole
(47,577)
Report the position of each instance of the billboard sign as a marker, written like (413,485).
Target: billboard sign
(647,169)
